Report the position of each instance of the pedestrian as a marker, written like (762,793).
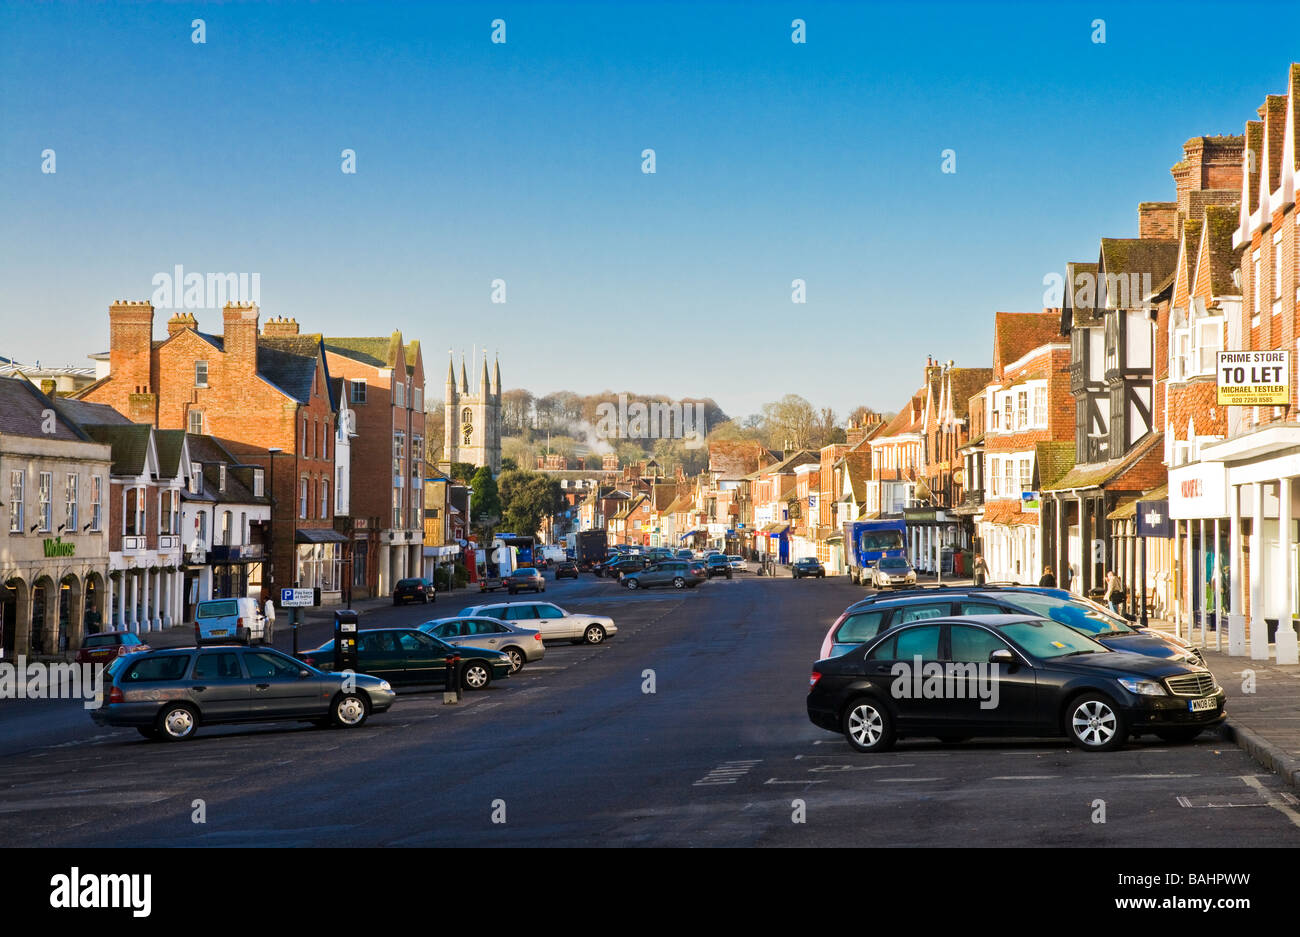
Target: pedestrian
(1069,576)
(981,570)
(1048,579)
(1114,591)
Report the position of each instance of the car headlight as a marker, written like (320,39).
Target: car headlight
(385,685)
(1141,687)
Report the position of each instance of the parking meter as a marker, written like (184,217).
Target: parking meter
(345,640)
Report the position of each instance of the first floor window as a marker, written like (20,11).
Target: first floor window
(133,511)
(397,508)
(96,502)
(46,517)
(302,498)
(324,498)
(1040,406)
(17,482)
(196,422)
(1026,474)
(1008,479)
(70,501)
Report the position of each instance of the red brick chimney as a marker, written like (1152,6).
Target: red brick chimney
(279,325)
(130,328)
(1158,220)
(1208,163)
(240,321)
(181,321)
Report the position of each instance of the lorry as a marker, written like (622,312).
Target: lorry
(590,549)
(866,542)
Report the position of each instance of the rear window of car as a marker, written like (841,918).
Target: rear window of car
(101,640)
(217,609)
(149,669)
(407,583)
(860,627)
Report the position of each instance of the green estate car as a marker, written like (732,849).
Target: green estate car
(409,656)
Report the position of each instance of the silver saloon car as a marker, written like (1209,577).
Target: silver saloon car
(521,645)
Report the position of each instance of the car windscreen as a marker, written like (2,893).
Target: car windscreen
(1049,639)
(891,562)
(873,541)
(1078,614)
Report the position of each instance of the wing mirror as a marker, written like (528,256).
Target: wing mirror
(1002,656)
(303,674)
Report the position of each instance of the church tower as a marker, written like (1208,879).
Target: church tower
(472,422)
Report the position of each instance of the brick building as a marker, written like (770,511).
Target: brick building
(383,384)
(264,394)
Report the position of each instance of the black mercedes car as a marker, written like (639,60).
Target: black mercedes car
(1007,675)
(414,590)
(807,566)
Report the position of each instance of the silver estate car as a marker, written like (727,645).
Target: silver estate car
(521,645)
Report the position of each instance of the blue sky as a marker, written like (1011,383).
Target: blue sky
(522,161)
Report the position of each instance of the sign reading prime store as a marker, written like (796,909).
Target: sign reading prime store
(1253,378)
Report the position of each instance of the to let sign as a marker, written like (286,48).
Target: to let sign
(1253,378)
(297,598)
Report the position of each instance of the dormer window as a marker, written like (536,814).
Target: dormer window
(221,478)
(196,479)
(259,483)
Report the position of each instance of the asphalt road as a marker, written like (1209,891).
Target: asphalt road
(573,751)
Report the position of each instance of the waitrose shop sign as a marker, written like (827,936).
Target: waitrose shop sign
(1254,378)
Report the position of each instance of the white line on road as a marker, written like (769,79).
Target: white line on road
(1025,777)
(905,780)
(804,781)
(1277,803)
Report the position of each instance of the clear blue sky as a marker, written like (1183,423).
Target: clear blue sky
(522,161)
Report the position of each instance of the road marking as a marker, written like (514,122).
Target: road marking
(1277,803)
(729,772)
(857,767)
(1025,777)
(1144,776)
(803,781)
(905,780)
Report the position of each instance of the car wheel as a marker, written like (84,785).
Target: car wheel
(476,676)
(1095,724)
(1178,736)
(516,659)
(350,710)
(177,723)
(679,583)
(594,634)
(868,726)
(631,584)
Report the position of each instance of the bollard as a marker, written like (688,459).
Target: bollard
(451,692)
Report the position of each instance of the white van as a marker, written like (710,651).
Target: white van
(221,621)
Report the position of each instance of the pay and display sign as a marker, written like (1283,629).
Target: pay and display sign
(1253,378)
(297,598)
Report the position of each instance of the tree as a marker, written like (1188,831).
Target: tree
(790,423)
(528,498)
(516,412)
(485,500)
(462,472)
(508,464)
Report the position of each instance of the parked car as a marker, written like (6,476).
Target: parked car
(685,554)
(107,646)
(807,566)
(737,563)
(566,569)
(1044,678)
(167,694)
(675,573)
(864,619)
(552,621)
(698,568)
(892,572)
(715,564)
(624,565)
(221,621)
(521,645)
(406,656)
(414,590)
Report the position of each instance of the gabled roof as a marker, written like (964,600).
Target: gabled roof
(289,363)
(377,352)
(81,411)
(1015,334)
(130,443)
(1153,257)
(171,445)
(1220,225)
(1105,474)
(22,407)
(1053,459)
(1080,293)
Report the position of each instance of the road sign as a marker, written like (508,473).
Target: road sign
(297,598)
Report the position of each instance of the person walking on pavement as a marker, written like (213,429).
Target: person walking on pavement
(1114,591)
(981,570)
(1048,579)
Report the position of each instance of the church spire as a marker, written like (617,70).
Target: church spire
(496,376)
(483,389)
(464,377)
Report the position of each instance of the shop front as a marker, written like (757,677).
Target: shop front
(318,562)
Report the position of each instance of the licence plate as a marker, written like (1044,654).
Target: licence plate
(222,632)
(1201,705)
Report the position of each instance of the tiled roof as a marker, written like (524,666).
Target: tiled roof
(1053,460)
(1255,145)
(289,362)
(170,442)
(130,444)
(1220,224)
(1080,295)
(22,409)
(734,458)
(377,352)
(1104,474)
(1155,257)
(966,383)
(1015,334)
(1190,247)
(80,411)
(1008,513)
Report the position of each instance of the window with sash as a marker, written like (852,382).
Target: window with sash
(1040,407)
(45,502)
(17,483)
(97,503)
(70,518)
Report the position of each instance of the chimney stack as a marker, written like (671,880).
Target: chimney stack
(279,325)
(240,321)
(1158,220)
(1207,163)
(130,327)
